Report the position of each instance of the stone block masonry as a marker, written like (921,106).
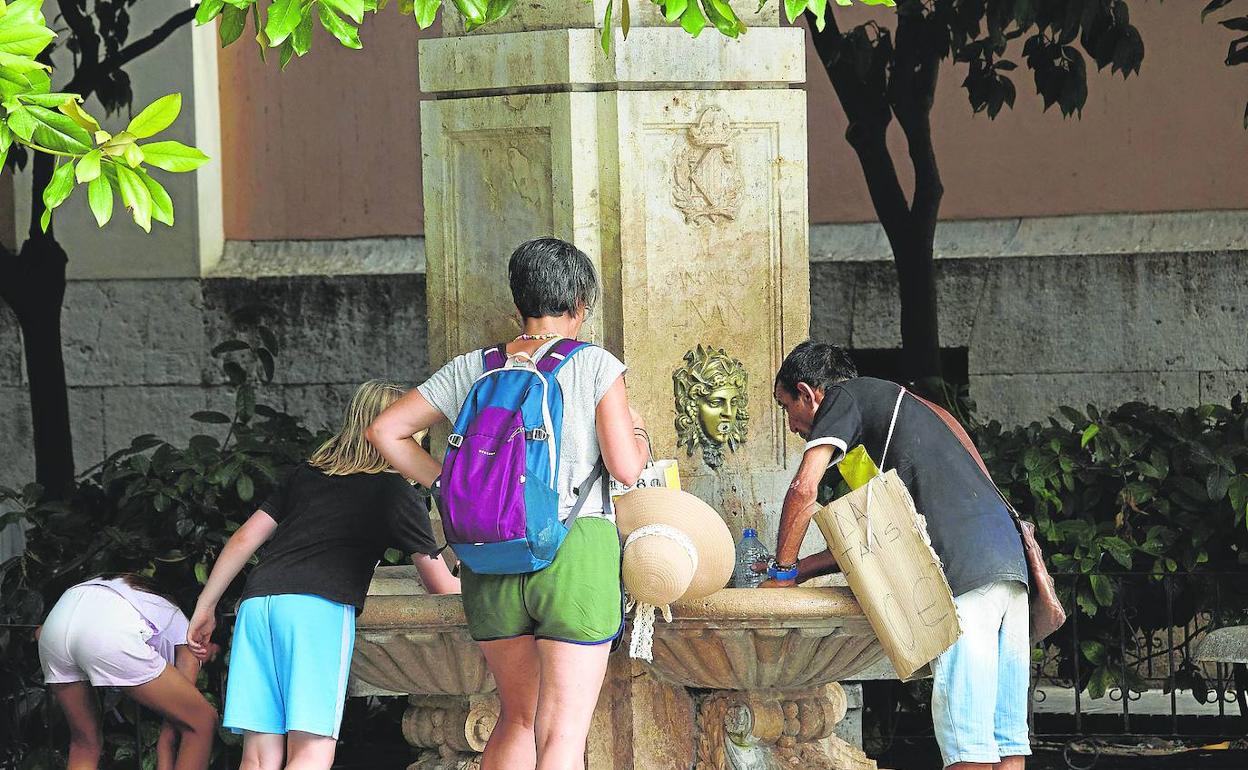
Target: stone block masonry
(1040,332)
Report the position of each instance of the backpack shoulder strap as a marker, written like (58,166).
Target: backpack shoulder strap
(558,354)
(495,357)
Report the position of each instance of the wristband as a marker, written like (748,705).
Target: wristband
(782,571)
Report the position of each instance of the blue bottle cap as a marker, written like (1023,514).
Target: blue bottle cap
(749,532)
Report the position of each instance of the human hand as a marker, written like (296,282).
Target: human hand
(774,583)
(199,633)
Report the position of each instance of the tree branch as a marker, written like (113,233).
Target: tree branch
(84,80)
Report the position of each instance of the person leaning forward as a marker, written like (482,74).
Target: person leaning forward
(980,684)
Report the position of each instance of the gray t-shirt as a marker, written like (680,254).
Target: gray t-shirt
(584,380)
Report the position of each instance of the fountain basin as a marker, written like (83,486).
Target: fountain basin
(410,643)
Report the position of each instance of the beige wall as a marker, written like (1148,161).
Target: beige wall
(316,152)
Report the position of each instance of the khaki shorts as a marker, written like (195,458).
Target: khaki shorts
(576,599)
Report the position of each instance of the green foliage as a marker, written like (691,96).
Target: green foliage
(1142,508)
(55,123)
(288,23)
(156,508)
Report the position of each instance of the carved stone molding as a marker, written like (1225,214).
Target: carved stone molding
(755,731)
(707,179)
(452,730)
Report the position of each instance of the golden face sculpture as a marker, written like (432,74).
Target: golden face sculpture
(711,403)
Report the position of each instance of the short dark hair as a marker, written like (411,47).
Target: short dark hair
(818,364)
(550,277)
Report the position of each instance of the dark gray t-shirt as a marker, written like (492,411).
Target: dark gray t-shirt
(971,529)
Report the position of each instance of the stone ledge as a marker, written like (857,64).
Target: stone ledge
(1095,234)
(572,59)
(355,256)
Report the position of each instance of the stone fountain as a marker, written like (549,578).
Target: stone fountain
(679,165)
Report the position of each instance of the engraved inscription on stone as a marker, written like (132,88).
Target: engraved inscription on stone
(707,180)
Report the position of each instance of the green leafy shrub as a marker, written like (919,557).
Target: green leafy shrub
(154,508)
(1145,510)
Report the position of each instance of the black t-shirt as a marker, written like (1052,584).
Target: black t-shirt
(971,529)
(333,530)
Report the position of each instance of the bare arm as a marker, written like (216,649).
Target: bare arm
(435,575)
(240,548)
(822,563)
(621,436)
(800,504)
(186,664)
(392,433)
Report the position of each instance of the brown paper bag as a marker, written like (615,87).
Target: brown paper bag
(880,542)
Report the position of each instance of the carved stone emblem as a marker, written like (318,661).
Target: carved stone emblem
(707,178)
(712,408)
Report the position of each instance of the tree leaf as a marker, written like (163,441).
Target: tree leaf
(245,487)
(348,35)
(301,39)
(1088,434)
(426,11)
(208,10)
(1102,589)
(606,27)
(284,18)
(233,22)
(352,9)
(162,204)
(60,186)
(212,418)
(134,196)
(25,39)
(229,346)
(173,156)
(88,167)
(53,130)
(692,20)
(100,196)
(156,117)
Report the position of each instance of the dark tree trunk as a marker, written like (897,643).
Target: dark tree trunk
(32,282)
(871,98)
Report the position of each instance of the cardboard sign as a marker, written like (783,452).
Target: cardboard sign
(880,542)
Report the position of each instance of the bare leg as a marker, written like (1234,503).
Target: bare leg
(516,668)
(263,751)
(177,700)
(1012,763)
(971,766)
(572,676)
(82,712)
(306,751)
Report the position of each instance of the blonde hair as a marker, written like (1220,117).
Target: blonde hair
(348,451)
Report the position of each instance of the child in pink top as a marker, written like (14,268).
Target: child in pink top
(119,631)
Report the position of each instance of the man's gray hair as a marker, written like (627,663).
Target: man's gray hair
(550,277)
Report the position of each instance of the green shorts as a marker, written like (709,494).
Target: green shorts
(577,598)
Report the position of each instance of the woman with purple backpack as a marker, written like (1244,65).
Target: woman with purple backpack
(544,603)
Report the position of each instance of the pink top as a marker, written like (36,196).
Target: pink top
(168,624)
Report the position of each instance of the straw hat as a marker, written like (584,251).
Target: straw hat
(660,528)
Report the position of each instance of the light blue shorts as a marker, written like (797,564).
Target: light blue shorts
(980,684)
(288,665)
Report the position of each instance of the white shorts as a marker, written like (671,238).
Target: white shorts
(94,635)
(980,684)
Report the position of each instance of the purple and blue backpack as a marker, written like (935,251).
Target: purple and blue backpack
(498,493)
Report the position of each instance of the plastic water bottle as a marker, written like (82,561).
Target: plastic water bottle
(749,551)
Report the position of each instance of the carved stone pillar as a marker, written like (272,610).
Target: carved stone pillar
(679,165)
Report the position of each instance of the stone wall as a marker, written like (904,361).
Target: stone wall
(1040,331)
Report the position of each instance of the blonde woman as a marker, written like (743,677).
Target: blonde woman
(326,527)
